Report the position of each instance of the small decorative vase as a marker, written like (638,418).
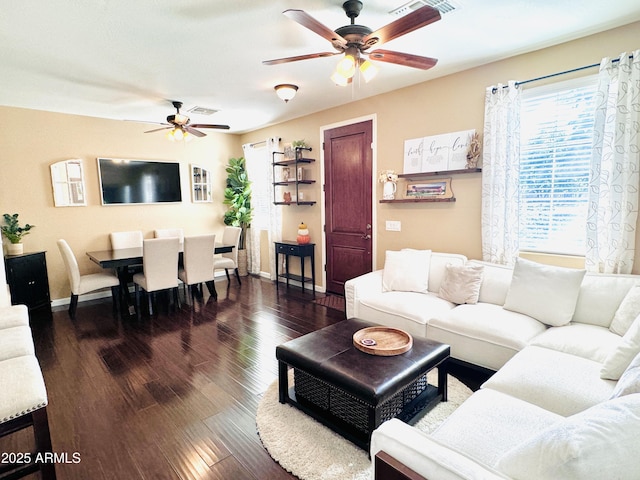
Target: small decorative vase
(303,234)
(15,249)
(389,191)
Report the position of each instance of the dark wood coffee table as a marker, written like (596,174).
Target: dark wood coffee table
(353,392)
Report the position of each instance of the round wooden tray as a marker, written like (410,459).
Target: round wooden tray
(383,341)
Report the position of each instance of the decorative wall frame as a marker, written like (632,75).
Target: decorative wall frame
(437,153)
(436,188)
(67,181)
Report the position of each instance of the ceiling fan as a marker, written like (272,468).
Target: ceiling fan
(180,126)
(355,40)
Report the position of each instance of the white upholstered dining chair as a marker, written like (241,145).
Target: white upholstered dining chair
(169,232)
(197,262)
(159,269)
(81,284)
(131,239)
(230,236)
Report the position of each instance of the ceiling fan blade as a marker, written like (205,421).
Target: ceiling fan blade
(306,20)
(406,59)
(416,19)
(195,132)
(300,57)
(208,125)
(158,129)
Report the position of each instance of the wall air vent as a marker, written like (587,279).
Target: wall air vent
(443,6)
(203,111)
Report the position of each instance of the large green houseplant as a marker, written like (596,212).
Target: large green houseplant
(237,195)
(14,233)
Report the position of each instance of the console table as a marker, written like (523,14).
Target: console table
(288,248)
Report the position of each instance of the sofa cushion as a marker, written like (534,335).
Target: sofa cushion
(556,381)
(437,268)
(483,334)
(620,358)
(496,280)
(489,424)
(461,283)
(406,271)
(408,311)
(629,380)
(600,296)
(544,292)
(587,341)
(627,312)
(601,441)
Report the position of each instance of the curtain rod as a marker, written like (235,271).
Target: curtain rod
(275,139)
(593,65)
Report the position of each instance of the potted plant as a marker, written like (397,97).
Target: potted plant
(14,233)
(237,195)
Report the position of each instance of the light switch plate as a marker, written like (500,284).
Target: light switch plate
(393,225)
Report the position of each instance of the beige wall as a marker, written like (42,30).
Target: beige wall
(447,104)
(33,140)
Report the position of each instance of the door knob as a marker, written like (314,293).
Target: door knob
(366,237)
(368,226)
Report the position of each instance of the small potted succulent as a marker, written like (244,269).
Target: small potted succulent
(14,233)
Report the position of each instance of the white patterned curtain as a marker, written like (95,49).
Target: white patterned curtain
(266,216)
(500,172)
(614,181)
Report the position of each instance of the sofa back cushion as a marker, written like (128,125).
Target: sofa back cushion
(600,296)
(495,282)
(438,268)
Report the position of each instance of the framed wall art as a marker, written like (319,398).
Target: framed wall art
(436,188)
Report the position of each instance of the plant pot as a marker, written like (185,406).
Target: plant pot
(242,262)
(15,248)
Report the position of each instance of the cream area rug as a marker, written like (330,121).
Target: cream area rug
(311,451)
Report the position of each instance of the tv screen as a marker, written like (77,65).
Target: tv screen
(138,181)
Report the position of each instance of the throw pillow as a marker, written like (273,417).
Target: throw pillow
(544,292)
(620,358)
(601,440)
(626,313)
(629,381)
(406,271)
(461,283)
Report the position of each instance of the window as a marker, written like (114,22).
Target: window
(555,153)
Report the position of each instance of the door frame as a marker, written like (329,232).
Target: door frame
(374,168)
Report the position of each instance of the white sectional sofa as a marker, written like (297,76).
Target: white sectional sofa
(564,402)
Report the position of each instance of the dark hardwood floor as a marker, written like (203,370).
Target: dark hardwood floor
(168,397)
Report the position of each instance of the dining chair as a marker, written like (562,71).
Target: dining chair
(81,284)
(159,269)
(230,236)
(131,239)
(197,261)
(169,232)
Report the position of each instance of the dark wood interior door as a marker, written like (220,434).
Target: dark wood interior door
(348,207)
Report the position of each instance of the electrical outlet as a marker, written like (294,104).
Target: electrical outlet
(393,225)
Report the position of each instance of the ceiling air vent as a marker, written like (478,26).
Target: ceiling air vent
(443,6)
(203,111)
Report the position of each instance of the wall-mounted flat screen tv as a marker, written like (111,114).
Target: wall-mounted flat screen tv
(138,181)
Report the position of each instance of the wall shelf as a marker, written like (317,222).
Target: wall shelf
(291,178)
(410,176)
(419,200)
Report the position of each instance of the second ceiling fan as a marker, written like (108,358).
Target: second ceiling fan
(354,41)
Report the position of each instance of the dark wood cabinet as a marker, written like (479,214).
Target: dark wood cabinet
(28,280)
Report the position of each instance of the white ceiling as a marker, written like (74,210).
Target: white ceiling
(124,59)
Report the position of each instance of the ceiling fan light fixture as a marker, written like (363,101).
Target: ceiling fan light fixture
(347,66)
(286,91)
(368,70)
(340,80)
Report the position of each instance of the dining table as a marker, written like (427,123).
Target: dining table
(121,259)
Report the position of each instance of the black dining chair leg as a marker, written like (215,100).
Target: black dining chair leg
(212,289)
(151,297)
(238,277)
(115,298)
(226,270)
(137,288)
(73,305)
(176,293)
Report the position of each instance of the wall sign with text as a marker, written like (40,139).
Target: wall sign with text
(437,153)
